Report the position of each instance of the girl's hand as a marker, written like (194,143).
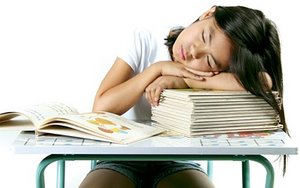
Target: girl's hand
(171,68)
(154,89)
(201,73)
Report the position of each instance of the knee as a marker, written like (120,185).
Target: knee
(187,179)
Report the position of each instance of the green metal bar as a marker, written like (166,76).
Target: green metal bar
(246,174)
(93,164)
(40,180)
(60,178)
(55,157)
(209,170)
(270,171)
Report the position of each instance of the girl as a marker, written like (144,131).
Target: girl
(226,48)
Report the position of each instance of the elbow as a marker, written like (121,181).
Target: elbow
(266,80)
(101,104)
(107,104)
(96,108)
(269,82)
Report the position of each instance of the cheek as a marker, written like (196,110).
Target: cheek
(175,50)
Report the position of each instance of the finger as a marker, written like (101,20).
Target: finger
(150,94)
(156,96)
(200,73)
(147,96)
(153,96)
(188,74)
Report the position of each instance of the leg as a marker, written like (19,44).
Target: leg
(186,179)
(246,174)
(106,178)
(60,178)
(209,170)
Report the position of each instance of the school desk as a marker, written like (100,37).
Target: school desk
(234,147)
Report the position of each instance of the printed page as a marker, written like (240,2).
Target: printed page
(102,125)
(39,113)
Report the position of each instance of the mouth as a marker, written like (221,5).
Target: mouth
(182,54)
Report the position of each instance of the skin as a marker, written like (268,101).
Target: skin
(203,46)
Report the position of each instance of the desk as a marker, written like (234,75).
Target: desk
(245,148)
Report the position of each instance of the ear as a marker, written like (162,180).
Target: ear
(208,13)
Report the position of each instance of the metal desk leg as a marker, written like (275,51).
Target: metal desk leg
(246,174)
(209,169)
(268,166)
(56,157)
(40,180)
(93,164)
(60,178)
(270,172)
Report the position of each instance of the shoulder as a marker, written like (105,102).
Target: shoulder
(136,39)
(142,46)
(146,37)
(149,35)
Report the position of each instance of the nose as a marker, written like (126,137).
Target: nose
(197,52)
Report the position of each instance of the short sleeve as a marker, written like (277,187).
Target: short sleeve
(138,49)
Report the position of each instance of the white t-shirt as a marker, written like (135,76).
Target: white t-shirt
(140,49)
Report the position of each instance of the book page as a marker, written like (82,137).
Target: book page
(39,113)
(102,125)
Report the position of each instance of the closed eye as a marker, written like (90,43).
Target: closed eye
(208,62)
(203,38)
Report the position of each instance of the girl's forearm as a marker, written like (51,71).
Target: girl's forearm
(122,97)
(119,91)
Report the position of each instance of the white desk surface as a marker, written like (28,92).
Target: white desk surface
(277,143)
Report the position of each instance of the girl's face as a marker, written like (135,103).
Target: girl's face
(203,46)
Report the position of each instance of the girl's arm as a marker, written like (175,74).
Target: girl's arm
(221,81)
(226,81)
(120,89)
(154,89)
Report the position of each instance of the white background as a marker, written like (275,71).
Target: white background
(59,50)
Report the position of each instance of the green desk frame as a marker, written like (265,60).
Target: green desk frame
(61,158)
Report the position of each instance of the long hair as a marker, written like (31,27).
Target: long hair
(256,50)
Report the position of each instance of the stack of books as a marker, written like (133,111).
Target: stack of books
(199,112)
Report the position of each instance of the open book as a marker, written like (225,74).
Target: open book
(61,119)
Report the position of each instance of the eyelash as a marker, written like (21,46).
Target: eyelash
(208,62)
(203,38)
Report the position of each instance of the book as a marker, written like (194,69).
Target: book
(62,119)
(195,112)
